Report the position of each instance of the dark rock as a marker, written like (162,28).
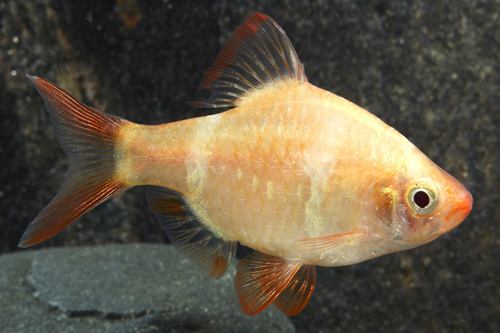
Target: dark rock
(121,288)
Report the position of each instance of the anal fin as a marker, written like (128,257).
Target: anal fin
(262,279)
(188,234)
(298,291)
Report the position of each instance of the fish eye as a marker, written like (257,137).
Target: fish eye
(422,199)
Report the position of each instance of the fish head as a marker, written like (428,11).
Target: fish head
(417,203)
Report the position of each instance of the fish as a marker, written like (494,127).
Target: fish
(300,175)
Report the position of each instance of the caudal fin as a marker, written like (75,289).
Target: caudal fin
(89,138)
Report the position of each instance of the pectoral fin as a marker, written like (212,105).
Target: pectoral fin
(262,279)
(327,243)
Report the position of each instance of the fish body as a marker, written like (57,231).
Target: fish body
(299,174)
(272,171)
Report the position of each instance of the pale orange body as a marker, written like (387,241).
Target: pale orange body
(292,162)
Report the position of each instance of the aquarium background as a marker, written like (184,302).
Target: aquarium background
(430,69)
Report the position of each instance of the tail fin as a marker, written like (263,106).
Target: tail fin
(89,137)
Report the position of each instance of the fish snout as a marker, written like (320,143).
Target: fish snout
(460,208)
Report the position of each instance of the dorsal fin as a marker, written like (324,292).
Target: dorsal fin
(257,54)
(189,235)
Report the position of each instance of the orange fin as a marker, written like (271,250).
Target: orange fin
(188,234)
(298,291)
(260,278)
(88,136)
(327,243)
(257,54)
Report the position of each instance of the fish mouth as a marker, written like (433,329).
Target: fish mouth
(465,208)
(465,205)
(459,212)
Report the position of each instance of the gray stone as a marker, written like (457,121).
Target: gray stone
(121,288)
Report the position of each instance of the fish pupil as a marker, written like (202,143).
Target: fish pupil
(421,199)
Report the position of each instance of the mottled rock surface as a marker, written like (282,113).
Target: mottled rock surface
(428,68)
(121,288)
